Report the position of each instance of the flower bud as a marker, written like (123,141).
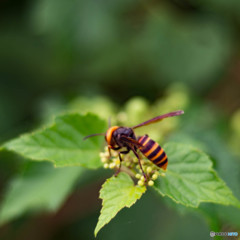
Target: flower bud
(154,176)
(114,153)
(112,165)
(142,178)
(104,160)
(102,154)
(149,169)
(150,183)
(127,164)
(144,168)
(135,160)
(117,161)
(140,183)
(138,175)
(106,165)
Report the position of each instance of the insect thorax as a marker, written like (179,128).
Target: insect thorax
(122,131)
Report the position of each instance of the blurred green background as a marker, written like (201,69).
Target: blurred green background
(130,60)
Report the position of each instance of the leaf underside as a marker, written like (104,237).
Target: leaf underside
(41,186)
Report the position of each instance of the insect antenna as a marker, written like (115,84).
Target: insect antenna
(93,135)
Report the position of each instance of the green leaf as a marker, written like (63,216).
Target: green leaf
(41,186)
(117,193)
(190,178)
(62,143)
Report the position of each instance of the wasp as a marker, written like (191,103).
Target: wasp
(118,138)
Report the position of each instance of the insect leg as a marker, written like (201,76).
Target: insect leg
(118,171)
(134,151)
(125,152)
(113,148)
(120,158)
(109,151)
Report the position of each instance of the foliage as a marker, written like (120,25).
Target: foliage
(189,179)
(40,187)
(117,193)
(63,142)
(128,60)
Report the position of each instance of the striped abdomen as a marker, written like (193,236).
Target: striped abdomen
(153,152)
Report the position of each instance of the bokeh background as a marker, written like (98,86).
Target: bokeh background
(130,60)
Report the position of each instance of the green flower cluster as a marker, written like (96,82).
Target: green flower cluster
(131,166)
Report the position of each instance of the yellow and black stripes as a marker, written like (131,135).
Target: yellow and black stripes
(153,152)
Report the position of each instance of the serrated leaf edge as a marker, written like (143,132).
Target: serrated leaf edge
(38,131)
(128,206)
(210,167)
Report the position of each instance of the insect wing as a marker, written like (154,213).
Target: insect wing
(131,141)
(159,118)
